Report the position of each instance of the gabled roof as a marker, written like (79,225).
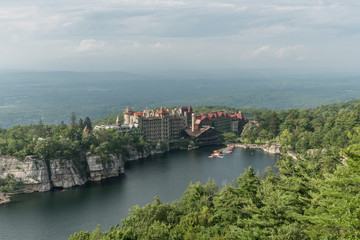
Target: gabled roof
(211,115)
(128,111)
(239,115)
(139,114)
(163,111)
(198,121)
(197,133)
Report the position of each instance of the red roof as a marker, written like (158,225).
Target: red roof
(128,111)
(163,111)
(139,114)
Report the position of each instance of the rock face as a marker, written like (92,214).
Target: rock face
(135,155)
(99,171)
(269,148)
(38,175)
(272,149)
(31,171)
(65,173)
(4,199)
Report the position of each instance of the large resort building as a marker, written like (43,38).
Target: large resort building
(167,125)
(160,125)
(222,121)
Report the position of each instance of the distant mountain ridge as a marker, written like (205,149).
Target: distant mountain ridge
(26,97)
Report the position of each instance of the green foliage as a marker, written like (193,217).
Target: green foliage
(250,133)
(229,137)
(67,142)
(301,130)
(9,184)
(315,196)
(163,146)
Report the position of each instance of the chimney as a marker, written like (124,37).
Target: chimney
(193,122)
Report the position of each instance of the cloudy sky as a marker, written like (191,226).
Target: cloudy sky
(131,35)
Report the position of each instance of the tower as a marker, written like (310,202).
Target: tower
(193,122)
(127,114)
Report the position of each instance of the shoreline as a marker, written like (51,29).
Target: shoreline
(266,147)
(272,149)
(4,198)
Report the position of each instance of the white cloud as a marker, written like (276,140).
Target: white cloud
(159,45)
(285,51)
(146,2)
(66,24)
(260,50)
(90,45)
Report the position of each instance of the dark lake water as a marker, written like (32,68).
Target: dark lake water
(57,215)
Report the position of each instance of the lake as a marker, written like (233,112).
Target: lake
(57,215)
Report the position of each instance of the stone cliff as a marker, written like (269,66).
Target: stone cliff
(67,173)
(33,172)
(38,175)
(99,170)
(269,148)
(4,199)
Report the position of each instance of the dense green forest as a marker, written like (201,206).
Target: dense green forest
(315,196)
(66,141)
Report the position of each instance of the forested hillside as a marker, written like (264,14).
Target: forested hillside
(315,196)
(66,141)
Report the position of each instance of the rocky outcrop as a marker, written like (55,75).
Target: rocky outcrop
(32,172)
(269,148)
(4,198)
(100,170)
(272,148)
(135,155)
(38,175)
(66,173)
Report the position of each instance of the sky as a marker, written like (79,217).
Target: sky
(141,35)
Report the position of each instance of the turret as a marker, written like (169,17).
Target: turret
(127,113)
(190,111)
(193,122)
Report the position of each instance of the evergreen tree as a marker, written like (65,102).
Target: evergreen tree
(88,123)
(73,120)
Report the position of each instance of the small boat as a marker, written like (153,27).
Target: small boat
(63,190)
(216,155)
(222,152)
